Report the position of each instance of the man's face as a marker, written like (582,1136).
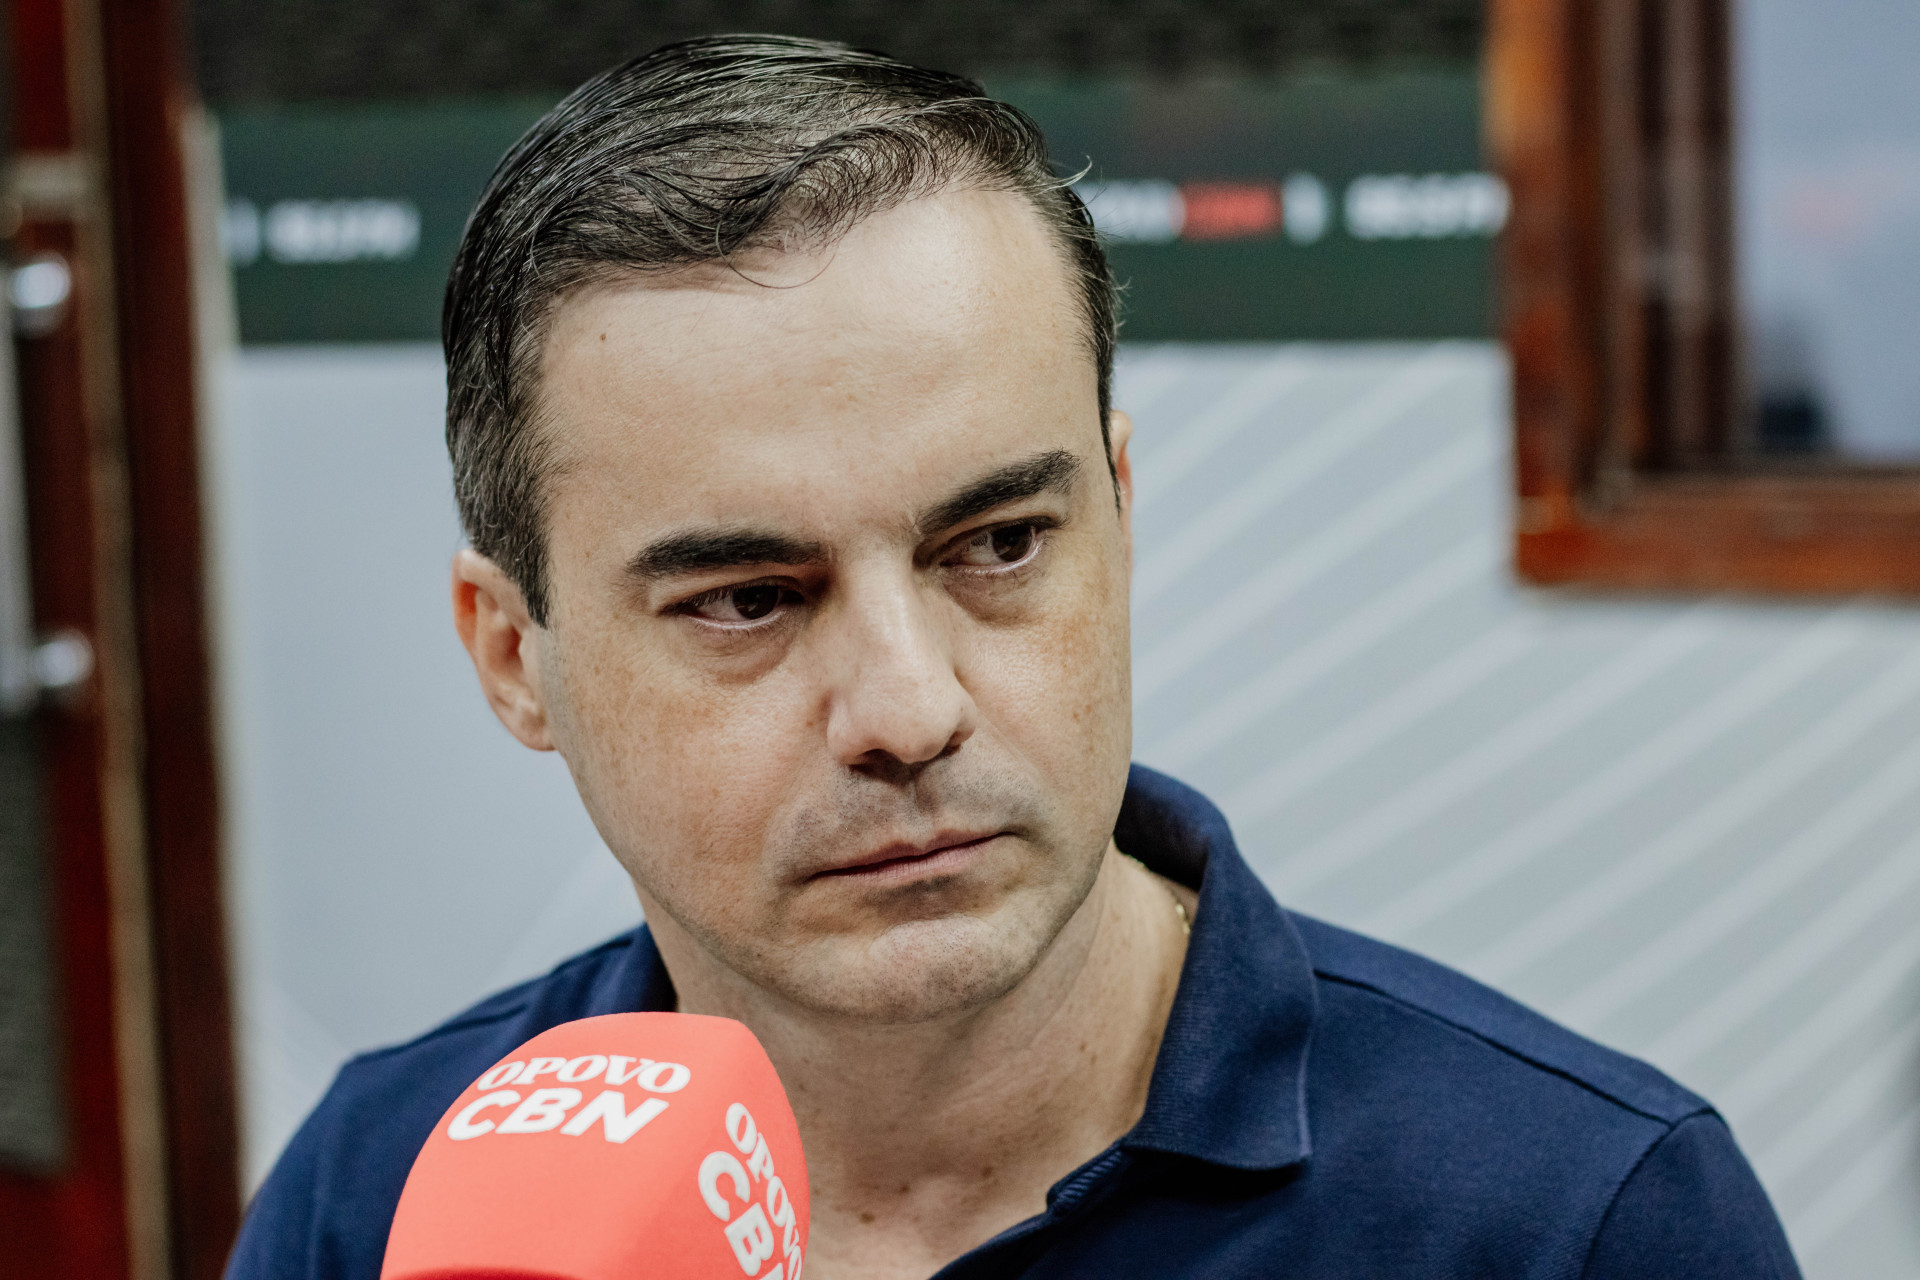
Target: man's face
(838,648)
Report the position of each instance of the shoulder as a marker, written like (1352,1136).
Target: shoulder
(1425,1000)
(1490,1120)
(431,1069)
(561,993)
(325,1208)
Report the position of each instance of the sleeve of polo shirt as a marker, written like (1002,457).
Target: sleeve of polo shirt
(292,1228)
(273,1243)
(1692,1210)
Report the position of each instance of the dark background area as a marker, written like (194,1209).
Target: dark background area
(251,51)
(323,103)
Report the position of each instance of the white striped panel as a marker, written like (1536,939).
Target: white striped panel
(1683,820)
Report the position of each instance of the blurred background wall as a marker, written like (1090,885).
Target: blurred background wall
(1684,826)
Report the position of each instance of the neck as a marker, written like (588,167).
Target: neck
(924,1140)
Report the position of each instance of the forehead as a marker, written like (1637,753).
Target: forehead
(933,340)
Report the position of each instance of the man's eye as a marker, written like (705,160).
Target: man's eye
(996,548)
(737,605)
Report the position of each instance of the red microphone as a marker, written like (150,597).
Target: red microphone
(638,1144)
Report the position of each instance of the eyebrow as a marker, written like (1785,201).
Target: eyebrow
(704,550)
(1051,472)
(707,550)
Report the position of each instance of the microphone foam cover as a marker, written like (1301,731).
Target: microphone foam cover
(638,1144)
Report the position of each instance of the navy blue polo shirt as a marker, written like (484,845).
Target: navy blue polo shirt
(1323,1106)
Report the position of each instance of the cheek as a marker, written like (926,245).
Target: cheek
(1059,686)
(680,776)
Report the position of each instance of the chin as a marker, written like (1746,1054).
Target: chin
(920,971)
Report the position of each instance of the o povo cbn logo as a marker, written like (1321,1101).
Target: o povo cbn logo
(553,1107)
(723,1180)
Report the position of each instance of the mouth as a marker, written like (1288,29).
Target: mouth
(946,853)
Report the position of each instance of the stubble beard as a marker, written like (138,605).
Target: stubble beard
(937,950)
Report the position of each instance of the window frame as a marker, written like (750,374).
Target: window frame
(1611,121)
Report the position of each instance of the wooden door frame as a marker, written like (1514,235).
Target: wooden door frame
(109,410)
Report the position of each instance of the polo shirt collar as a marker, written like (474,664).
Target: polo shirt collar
(636,982)
(1230,1084)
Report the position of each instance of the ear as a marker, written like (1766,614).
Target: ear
(1119,436)
(504,642)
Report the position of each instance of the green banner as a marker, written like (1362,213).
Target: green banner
(1324,206)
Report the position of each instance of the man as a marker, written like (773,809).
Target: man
(778,402)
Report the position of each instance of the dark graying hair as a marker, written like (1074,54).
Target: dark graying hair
(687,155)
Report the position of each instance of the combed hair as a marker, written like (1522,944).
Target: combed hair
(690,154)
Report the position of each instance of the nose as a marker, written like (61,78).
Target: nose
(896,699)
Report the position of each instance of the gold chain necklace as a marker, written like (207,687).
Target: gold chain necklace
(1179,907)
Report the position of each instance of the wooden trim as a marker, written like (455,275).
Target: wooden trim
(116,649)
(73,1222)
(1611,120)
(1780,534)
(147,100)
(150,1189)
(102,1214)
